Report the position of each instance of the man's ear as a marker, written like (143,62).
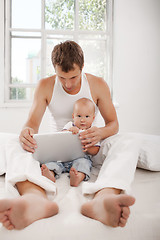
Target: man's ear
(82,67)
(73,115)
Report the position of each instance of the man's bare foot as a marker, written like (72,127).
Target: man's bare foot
(20,212)
(47,173)
(75,177)
(110,209)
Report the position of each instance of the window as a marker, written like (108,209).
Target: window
(33,28)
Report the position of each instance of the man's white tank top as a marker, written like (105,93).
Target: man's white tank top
(61,104)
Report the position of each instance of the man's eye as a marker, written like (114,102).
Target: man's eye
(79,115)
(87,116)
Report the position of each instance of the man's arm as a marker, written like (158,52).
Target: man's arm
(107,111)
(35,116)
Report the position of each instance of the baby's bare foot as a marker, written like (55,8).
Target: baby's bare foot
(20,212)
(76,177)
(112,210)
(47,173)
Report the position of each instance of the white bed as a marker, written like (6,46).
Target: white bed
(69,224)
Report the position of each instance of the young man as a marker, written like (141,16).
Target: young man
(58,93)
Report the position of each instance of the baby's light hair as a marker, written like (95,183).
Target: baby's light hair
(85,102)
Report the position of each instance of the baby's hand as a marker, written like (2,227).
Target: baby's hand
(74,130)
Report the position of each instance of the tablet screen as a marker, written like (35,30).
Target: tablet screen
(59,146)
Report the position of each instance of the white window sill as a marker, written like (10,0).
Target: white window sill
(16,105)
(28,104)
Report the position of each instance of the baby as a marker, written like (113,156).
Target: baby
(79,169)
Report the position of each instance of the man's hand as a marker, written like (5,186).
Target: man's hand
(74,130)
(26,139)
(90,137)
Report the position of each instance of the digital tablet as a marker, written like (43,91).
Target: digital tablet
(58,146)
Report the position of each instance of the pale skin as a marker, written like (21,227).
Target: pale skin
(108,205)
(83,117)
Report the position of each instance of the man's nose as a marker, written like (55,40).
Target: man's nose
(68,83)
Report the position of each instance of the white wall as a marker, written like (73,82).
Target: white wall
(137,64)
(13,119)
(136,70)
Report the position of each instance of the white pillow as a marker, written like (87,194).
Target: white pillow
(148,147)
(149,152)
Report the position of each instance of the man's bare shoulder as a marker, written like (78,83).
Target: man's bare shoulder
(47,82)
(45,88)
(92,79)
(98,86)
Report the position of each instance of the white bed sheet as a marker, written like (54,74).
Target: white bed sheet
(69,224)
(143,224)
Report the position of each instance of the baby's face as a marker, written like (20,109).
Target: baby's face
(83,117)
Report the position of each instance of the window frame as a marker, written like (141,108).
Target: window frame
(5,45)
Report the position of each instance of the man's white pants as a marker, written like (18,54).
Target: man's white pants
(119,153)
(21,167)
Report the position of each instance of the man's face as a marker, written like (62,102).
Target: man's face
(71,81)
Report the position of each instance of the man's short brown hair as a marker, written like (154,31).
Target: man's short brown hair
(66,54)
